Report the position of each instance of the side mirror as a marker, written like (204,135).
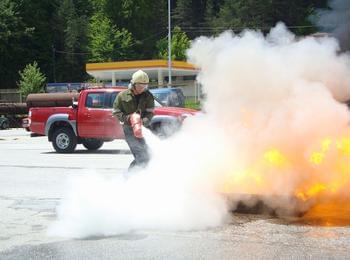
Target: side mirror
(75,104)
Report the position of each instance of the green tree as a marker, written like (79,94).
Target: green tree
(98,6)
(146,20)
(129,29)
(179,44)
(244,14)
(8,21)
(212,9)
(107,42)
(13,31)
(71,41)
(31,80)
(190,16)
(39,15)
(183,14)
(264,14)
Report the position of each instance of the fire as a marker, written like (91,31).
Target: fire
(320,179)
(343,145)
(311,192)
(275,158)
(318,157)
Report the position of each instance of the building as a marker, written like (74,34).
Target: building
(183,73)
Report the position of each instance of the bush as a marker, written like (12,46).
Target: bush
(31,80)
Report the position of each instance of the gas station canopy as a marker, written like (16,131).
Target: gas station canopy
(123,70)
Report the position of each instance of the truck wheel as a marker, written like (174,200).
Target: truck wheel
(64,140)
(164,130)
(92,144)
(158,130)
(5,124)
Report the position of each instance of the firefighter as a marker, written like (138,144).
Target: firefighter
(135,103)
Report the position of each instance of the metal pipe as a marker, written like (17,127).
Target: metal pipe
(13,109)
(51,99)
(39,100)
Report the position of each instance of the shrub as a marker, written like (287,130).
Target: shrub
(31,80)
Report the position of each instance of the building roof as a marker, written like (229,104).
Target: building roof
(124,69)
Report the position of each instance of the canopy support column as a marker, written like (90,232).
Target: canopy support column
(113,79)
(160,77)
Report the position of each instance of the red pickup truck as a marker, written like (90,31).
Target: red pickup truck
(91,123)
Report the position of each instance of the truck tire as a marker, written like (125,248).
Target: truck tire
(5,124)
(165,129)
(158,130)
(64,140)
(92,144)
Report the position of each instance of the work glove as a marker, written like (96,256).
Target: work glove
(136,124)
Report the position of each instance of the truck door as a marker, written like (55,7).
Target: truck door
(92,116)
(113,128)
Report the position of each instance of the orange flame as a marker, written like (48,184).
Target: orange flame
(320,177)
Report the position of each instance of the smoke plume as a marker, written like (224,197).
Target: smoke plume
(273,124)
(336,21)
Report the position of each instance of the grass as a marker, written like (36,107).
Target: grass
(191,103)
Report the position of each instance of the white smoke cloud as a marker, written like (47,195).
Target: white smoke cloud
(262,93)
(169,195)
(273,93)
(336,20)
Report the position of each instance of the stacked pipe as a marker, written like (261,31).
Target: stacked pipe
(39,100)
(13,109)
(51,99)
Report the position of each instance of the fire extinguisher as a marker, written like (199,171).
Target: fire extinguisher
(136,124)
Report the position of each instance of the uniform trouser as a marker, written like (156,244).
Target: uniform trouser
(138,148)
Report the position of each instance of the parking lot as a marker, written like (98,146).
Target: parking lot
(33,182)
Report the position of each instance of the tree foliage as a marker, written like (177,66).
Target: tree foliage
(9,21)
(179,44)
(13,32)
(190,15)
(107,42)
(39,15)
(71,41)
(31,80)
(263,14)
(145,19)
(63,35)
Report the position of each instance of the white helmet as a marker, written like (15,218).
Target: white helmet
(140,77)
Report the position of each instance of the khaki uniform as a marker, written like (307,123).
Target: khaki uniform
(124,105)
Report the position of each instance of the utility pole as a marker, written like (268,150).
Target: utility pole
(54,63)
(169,44)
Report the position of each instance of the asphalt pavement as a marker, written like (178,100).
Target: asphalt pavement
(32,184)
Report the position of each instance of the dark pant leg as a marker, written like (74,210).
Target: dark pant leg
(138,148)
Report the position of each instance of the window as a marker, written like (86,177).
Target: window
(110,97)
(101,100)
(161,96)
(173,97)
(95,100)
